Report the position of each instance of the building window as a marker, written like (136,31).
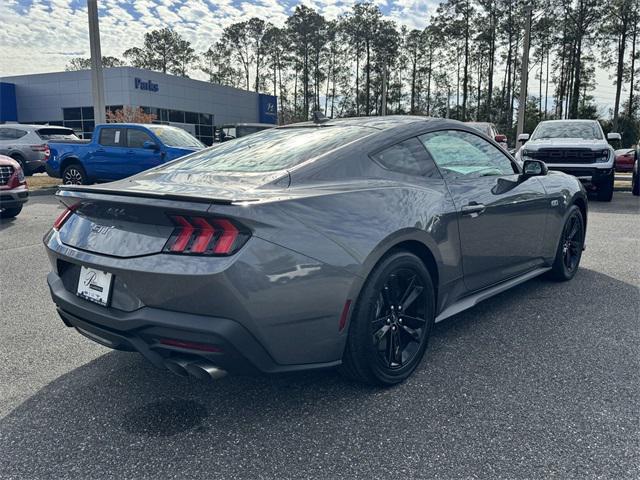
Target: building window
(80,119)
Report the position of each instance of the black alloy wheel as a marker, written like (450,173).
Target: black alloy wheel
(570,247)
(390,324)
(399,323)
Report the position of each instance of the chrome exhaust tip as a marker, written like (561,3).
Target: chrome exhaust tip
(205,371)
(177,366)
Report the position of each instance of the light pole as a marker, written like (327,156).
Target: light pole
(97,80)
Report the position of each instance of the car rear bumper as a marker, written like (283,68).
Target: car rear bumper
(143,330)
(13,198)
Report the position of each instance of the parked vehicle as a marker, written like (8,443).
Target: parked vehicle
(491,131)
(635,175)
(13,188)
(118,150)
(624,159)
(238,130)
(576,147)
(386,226)
(28,144)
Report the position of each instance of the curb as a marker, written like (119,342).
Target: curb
(43,191)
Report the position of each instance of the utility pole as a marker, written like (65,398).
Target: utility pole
(524,76)
(97,80)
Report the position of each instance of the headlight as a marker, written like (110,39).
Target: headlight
(604,154)
(20,175)
(526,154)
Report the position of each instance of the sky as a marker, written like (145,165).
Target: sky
(42,36)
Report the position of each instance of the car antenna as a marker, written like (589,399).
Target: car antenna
(319,117)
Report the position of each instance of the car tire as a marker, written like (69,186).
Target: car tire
(10,212)
(25,170)
(605,189)
(570,246)
(74,174)
(385,344)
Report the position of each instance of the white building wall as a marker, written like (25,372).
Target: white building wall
(41,97)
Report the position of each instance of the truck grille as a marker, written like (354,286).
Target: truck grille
(569,155)
(5,174)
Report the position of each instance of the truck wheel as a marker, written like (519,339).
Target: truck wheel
(10,212)
(74,174)
(605,189)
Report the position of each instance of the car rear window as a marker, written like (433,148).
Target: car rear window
(270,150)
(56,134)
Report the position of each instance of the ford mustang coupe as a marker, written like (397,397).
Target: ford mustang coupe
(319,244)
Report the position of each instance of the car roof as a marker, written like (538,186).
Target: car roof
(267,125)
(581,120)
(28,126)
(380,123)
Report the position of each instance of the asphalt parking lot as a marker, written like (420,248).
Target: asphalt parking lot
(540,381)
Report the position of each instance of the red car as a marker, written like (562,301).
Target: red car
(625,159)
(13,188)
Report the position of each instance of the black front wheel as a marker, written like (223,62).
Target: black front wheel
(391,322)
(570,247)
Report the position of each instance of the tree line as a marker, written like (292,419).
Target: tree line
(465,64)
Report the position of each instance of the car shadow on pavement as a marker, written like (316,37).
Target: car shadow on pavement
(543,379)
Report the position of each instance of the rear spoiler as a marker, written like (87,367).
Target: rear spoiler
(100,193)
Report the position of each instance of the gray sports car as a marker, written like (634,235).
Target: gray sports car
(320,244)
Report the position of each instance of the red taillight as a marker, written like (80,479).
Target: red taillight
(189,345)
(42,148)
(205,236)
(62,218)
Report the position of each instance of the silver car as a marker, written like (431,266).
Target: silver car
(27,144)
(309,246)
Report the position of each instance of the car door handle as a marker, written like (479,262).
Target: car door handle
(474,209)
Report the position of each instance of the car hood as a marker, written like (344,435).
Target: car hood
(566,143)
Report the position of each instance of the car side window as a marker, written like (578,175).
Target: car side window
(5,134)
(15,133)
(464,155)
(408,157)
(136,138)
(112,137)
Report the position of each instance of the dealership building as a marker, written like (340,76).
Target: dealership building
(65,98)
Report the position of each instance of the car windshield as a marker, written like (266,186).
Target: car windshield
(176,137)
(270,150)
(584,130)
(57,134)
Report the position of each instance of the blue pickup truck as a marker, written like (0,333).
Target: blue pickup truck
(117,150)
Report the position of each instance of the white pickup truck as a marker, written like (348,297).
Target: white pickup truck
(576,147)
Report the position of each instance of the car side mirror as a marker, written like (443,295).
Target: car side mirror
(523,137)
(614,136)
(534,168)
(150,145)
(501,138)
